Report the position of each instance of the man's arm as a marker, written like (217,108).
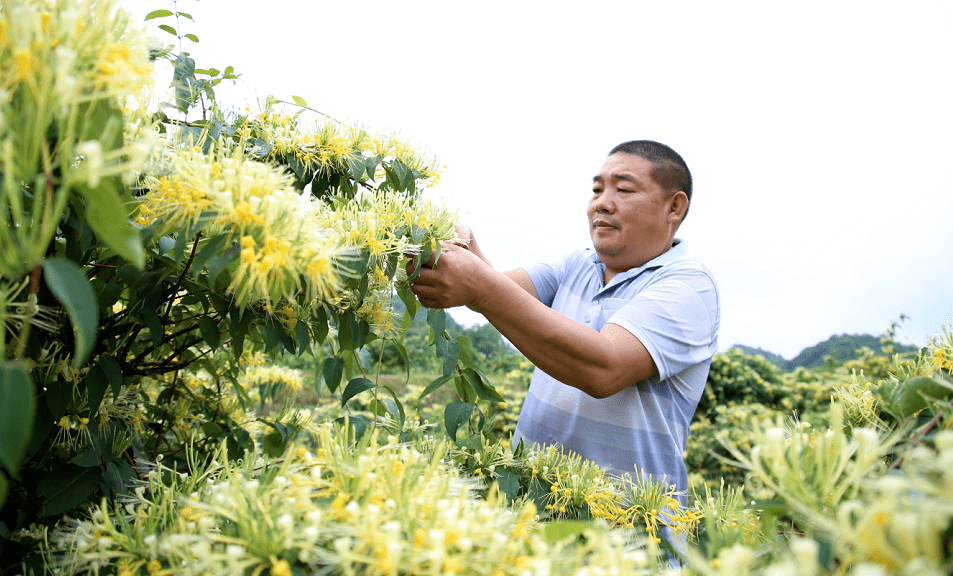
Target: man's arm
(600,363)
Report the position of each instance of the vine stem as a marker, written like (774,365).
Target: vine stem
(377,378)
(917,437)
(178,284)
(165,416)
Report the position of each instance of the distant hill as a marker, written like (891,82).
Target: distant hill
(840,347)
(771,357)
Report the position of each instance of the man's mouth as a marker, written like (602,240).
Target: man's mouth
(603,223)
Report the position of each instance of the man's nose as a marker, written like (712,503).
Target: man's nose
(604,202)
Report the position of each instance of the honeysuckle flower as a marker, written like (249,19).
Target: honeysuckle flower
(92,154)
(65,64)
(285,252)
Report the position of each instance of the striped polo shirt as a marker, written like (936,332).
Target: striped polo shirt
(671,305)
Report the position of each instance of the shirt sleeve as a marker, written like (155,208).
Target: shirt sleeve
(547,276)
(676,318)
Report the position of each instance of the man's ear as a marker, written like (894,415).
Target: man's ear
(678,206)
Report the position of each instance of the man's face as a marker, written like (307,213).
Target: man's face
(630,216)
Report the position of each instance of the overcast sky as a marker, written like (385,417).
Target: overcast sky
(819,134)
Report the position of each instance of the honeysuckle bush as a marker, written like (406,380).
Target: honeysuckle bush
(151,251)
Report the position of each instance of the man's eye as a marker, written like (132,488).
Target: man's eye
(596,190)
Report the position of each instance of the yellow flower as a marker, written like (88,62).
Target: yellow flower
(280,568)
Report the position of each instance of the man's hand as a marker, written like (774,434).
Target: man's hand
(456,280)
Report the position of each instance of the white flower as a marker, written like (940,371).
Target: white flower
(92,153)
(234,552)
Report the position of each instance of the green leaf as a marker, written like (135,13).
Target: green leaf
(437,319)
(417,234)
(70,286)
(210,333)
(274,445)
(400,415)
(474,442)
(58,395)
(212,430)
(355,166)
(914,394)
(468,354)
(118,475)
(211,247)
(355,387)
(4,489)
(168,29)
(457,414)
(410,301)
(555,532)
(353,331)
(509,483)
(333,370)
(96,385)
(358,422)
(480,384)
(320,325)
(17,409)
(186,15)
(219,263)
(450,356)
(303,336)
(235,443)
(299,101)
(113,373)
(433,386)
(65,488)
(91,456)
(152,321)
(192,37)
(157,14)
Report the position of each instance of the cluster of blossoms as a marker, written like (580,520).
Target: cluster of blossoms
(364,508)
(818,469)
(62,76)
(569,487)
(329,146)
(386,226)
(292,246)
(53,45)
(283,250)
(941,353)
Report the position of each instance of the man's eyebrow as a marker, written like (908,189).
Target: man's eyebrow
(616,176)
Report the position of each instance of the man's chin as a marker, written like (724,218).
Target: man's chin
(604,250)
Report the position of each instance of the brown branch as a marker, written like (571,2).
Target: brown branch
(188,264)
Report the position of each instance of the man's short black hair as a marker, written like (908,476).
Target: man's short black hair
(670,170)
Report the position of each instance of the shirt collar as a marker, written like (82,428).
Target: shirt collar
(678,251)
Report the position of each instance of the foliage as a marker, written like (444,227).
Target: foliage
(735,377)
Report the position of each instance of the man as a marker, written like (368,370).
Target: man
(622,334)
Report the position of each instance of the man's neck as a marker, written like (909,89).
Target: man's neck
(609,273)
